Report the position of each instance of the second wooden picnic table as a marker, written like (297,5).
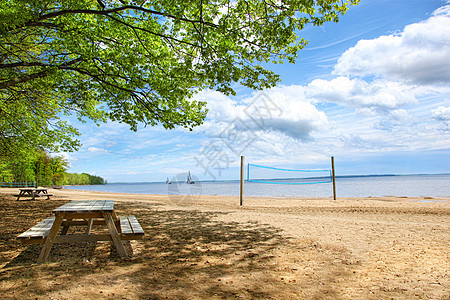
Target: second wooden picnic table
(33,193)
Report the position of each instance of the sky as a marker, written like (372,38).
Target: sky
(373,91)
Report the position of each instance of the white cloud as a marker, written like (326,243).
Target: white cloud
(377,95)
(220,107)
(441,113)
(420,54)
(357,142)
(282,109)
(96,150)
(395,119)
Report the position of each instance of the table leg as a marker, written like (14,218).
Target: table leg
(50,239)
(116,221)
(115,235)
(114,216)
(65,229)
(89,228)
(20,195)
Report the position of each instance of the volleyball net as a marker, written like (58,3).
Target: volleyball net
(273,175)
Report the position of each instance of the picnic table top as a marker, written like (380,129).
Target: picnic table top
(33,189)
(86,207)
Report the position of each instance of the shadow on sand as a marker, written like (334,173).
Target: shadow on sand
(184,254)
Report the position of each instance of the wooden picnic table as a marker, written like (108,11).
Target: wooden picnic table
(33,193)
(83,213)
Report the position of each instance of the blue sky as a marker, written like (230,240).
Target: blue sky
(372,90)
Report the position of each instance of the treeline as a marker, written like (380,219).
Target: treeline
(43,169)
(83,179)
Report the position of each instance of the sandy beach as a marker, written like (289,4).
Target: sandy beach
(211,248)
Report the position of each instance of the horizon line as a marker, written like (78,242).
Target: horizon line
(337,176)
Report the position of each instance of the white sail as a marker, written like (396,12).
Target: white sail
(189,179)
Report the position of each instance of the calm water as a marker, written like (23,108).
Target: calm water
(375,186)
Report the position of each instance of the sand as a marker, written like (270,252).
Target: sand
(210,247)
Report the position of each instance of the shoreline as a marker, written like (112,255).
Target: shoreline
(420,199)
(80,194)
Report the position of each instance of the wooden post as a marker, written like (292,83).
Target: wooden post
(334,177)
(242,181)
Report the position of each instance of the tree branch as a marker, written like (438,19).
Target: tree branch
(25,78)
(22,64)
(115,10)
(151,32)
(17,80)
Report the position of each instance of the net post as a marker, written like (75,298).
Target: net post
(242,182)
(334,177)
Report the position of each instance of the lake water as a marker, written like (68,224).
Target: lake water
(364,186)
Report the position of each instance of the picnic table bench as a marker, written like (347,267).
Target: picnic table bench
(83,213)
(33,193)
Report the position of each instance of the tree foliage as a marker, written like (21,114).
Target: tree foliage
(83,179)
(34,166)
(137,61)
(46,170)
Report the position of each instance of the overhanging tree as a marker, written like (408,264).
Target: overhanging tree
(137,61)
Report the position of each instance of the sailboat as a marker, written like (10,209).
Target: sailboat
(189,179)
(168,181)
